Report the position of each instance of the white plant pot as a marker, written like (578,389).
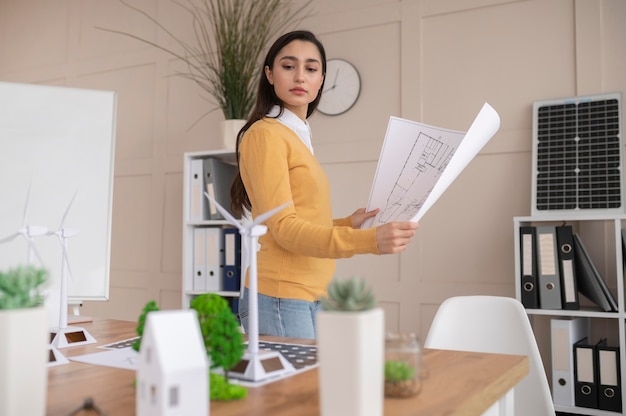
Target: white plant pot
(24,341)
(229,130)
(351,349)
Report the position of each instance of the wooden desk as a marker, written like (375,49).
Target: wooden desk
(459,383)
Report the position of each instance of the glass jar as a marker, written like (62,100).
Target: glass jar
(402,365)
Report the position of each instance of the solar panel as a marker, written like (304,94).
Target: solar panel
(577,155)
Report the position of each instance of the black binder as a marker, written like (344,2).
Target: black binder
(218,178)
(609,382)
(231,261)
(590,282)
(585,374)
(528,264)
(567,267)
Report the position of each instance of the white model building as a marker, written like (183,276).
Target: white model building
(173,370)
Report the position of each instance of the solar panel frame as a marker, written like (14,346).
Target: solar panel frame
(578,156)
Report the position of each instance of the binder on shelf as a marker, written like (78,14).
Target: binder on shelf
(213,256)
(199,260)
(528,263)
(218,177)
(609,382)
(585,374)
(567,267)
(198,207)
(231,259)
(565,332)
(590,282)
(234,306)
(624,246)
(548,268)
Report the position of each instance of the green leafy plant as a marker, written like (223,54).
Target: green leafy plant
(141,323)
(220,330)
(349,295)
(230,36)
(222,339)
(20,287)
(396,371)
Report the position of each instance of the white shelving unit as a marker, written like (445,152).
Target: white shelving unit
(189,226)
(602,237)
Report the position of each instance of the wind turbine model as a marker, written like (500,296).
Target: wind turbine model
(255,365)
(67,336)
(28,232)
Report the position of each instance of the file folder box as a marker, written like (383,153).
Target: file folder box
(609,381)
(218,178)
(213,259)
(567,267)
(198,206)
(548,266)
(528,262)
(590,282)
(585,375)
(199,260)
(565,332)
(231,259)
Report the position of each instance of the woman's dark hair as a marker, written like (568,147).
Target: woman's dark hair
(266,99)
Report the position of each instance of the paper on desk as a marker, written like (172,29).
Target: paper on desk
(419,162)
(126,358)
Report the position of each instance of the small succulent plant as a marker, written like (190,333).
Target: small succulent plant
(348,295)
(396,371)
(21,287)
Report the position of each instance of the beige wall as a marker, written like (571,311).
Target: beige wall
(434,61)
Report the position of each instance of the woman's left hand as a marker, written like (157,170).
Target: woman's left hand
(360,215)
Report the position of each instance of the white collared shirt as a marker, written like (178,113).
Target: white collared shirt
(295,123)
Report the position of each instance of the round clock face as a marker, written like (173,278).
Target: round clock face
(341,88)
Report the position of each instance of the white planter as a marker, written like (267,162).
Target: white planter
(24,342)
(229,130)
(351,349)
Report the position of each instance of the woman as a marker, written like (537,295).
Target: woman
(277,165)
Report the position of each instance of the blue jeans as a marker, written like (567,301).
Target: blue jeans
(290,318)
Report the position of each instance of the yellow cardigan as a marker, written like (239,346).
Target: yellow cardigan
(296,259)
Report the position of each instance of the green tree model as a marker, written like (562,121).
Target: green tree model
(222,339)
(150,306)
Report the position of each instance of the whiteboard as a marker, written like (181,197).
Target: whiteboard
(58,143)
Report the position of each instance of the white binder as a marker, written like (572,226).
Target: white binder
(565,332)
(199,259)
(213,259)
(198,208)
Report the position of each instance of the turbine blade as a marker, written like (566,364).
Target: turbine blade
(31,245)
(224,212)
(9,238)
(25,215)
(261,218)
(67,210)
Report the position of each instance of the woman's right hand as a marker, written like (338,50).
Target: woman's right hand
(394,237)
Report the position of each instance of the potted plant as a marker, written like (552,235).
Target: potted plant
(224,58)
(350,341)
(402,365)
(24,341)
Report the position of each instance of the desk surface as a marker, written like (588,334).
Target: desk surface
(459,383)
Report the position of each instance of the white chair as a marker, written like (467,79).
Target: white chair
(495,324)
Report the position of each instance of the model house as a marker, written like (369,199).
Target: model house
(173,371)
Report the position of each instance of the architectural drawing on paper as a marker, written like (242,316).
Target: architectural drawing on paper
(428,156)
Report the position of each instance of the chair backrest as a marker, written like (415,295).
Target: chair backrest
(497,325)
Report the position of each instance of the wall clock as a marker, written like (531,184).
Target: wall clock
(341,88)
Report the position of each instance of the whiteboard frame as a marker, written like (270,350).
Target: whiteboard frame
(58,141)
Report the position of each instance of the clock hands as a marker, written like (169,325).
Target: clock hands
(334,82)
